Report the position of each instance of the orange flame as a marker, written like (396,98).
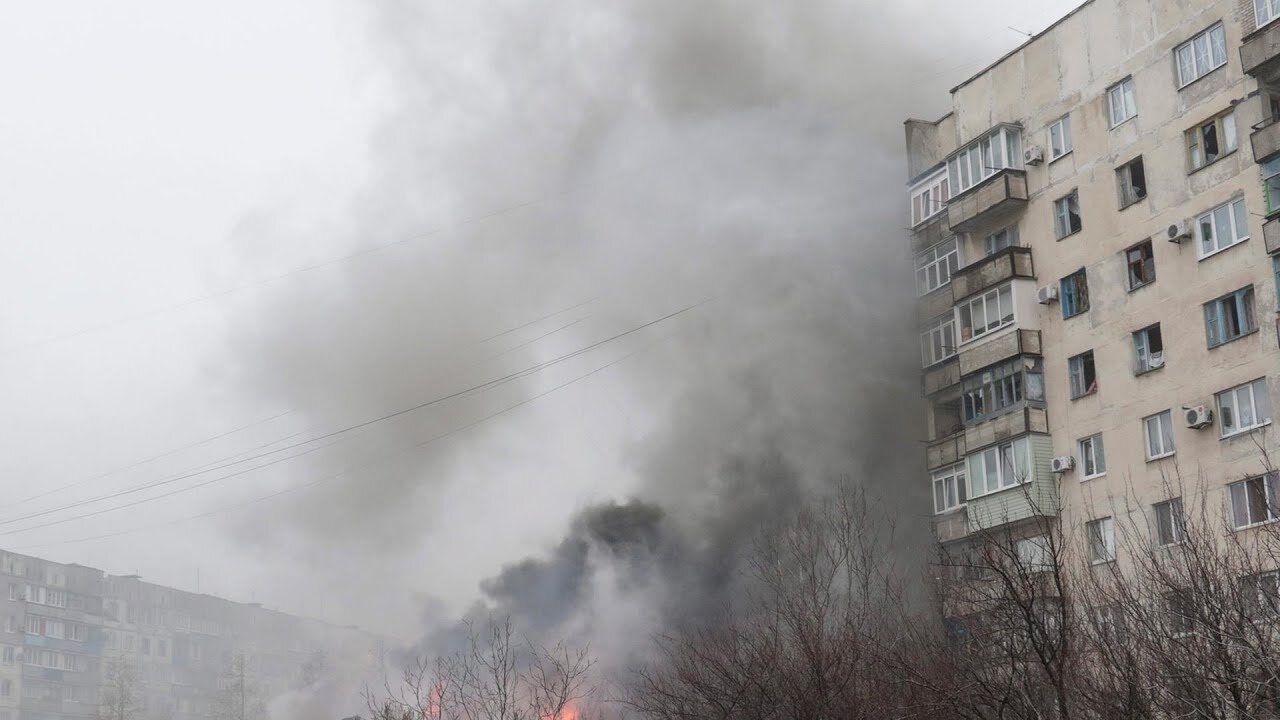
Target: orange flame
(568,712)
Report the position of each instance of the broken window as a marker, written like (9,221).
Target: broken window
(1132,180)
(1083,376)
(1229,317)
(1074,294)
(1142,264)
(1211,139)
(1066,214)
(1148,347)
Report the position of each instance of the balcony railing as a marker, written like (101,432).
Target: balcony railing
(990,271)
(1260,51)
(1008,425)
(951,525)
(976,357)
(945,451)
(998,195)
(1271,235)
(1265,139)
(940,376)
(930,233)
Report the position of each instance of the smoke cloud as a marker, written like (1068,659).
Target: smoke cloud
(568,172)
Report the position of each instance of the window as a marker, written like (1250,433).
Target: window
(986,313)
(13,591)
(1261,594)
(1222,227)
(1035,553)
(1275,265)
(1211,139)
(6,688)
(1244,407)
(1229,317)
(8,655)
(1158,429)
(929,196)
(1266,10)
(948,492)
(1121,103)
(1148,349)
(1066,214)
(999,149)
(1001,239)
(1254,500)
(938,341)
(1142,264)
(1073,294)
(935,266)
(1102,540)
(1131,179)
(1060,137)
(1093,458)
(10,624)
(986,393)
(144,645)
(998,467)
(1271,184)
(1081,373)
(1180,608)
(1170,526)
(1201,54)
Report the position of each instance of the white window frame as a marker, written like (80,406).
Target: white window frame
(1265,11)
(929,197)
(1142,349)
(942,258)
(1035,553)
(1271,499)
(1062,144)
(1201,55)
(1011,460)
(1062,215)
(1163,424)
(1256,394)
(1100,540)
(1235,213)
(997,150)
(987,300)
(1093,457)
(1170,511)
(1122,95)
(951,482)
(1003,238)
(1224,126)
(938,340)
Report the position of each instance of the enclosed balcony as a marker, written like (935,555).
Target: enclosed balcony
(945,451)
(1008,425)
(998,197)
(1265,139)
(941,376)
(1260,52)
(1030,492)
(1011,262)
(999,349)
(951,525)
(1271,235)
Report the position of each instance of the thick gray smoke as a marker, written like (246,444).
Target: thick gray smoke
(612,163)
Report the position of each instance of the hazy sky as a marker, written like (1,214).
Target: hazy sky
(172,173)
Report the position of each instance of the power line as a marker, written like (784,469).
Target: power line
(342,431)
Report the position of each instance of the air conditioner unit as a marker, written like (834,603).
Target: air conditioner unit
(1063,463)
(1178,232)
(1047,294)
(1198,417)
(1155,360)
(1033,155)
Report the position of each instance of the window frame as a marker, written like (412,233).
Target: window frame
(1077,365)
(1270,170)
(1190,45)
(1245,309)
(1096,451)
(995,151)
(939,326)
(1063,125)
(1270,484)
(1273,6)
(1125,186)
(1103,532)
(1012,456)
(986,298)
(952,480)
(1166,441)
(1235,210)
(1011,381)
(1235,392)
(1227,136)
(1128,93)
(1062,226)
(933,189)
(1142,349)
(1078,302)
(1177,521)
(951,261)
(1009,232)
(1147,262)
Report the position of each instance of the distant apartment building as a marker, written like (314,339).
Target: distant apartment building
(64,624)
(1096,225)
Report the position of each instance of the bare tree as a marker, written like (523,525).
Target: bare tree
(120,698)
(496,676)
(239,696)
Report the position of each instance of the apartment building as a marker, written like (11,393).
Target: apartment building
(63,625)
(1096,225)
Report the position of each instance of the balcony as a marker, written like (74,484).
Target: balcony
(952,525)
(930,233)
(999,195)
(1011,262)
(1003,347)
(1271,235)
(1265,139)
(940,376)
(1037,497)
(1260,52)
(945,451)
(1006,426)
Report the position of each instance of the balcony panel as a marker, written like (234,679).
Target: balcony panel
(1271,235)
(930,232)
(941,376)
(1004,427)
(951,526)
(999,195)
(1260,52)
(1009,263)
(1037,497)
(945,451)
(934,304)
(1265,140)
(999,349)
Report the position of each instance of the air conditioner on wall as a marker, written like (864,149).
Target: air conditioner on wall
(1047,294)
(1063,463)
(1198,417)
(1033,155)
(1178,232)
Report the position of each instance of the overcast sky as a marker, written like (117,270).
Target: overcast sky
(170,174)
